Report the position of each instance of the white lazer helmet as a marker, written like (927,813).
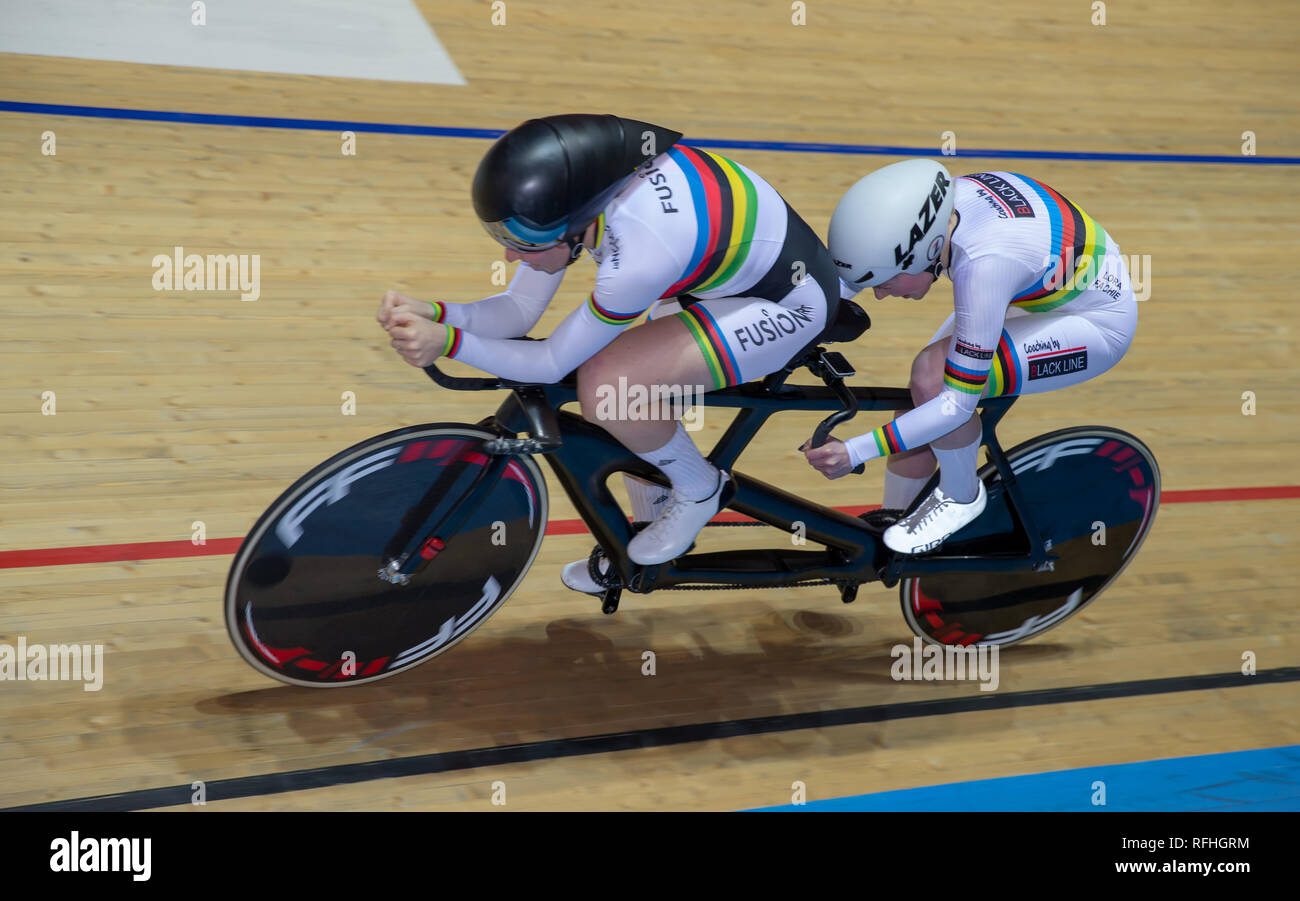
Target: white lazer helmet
(893,220)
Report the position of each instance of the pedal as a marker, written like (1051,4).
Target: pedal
(608,579)
(849,593)
(609,601)
(879,520)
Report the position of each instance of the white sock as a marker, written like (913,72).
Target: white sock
(901,490)
(957,471)
(647,498)
(693,477)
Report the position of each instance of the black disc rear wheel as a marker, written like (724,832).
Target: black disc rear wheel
(1092,491)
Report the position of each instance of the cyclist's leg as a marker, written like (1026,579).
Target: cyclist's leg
(712,344)
(1035,353)
(1057,350)
(907,471)
(1039,352)
(956,452)
(1044,351)
(647,498)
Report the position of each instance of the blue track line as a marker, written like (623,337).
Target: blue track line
(101,112)
(1265,779)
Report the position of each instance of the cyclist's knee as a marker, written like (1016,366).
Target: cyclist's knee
(926,380)
(916,463)
(591,375)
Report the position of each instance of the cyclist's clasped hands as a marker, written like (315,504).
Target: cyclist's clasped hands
(411,329)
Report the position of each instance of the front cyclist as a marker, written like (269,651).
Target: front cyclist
(1042,300)
(754,283)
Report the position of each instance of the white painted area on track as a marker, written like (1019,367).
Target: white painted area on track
(387,40)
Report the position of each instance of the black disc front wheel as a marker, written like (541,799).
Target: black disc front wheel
(1091,491)
(305,603)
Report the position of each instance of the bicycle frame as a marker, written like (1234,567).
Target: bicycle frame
(584,456)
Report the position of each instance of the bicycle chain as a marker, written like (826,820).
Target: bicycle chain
(729,587)
(593,569)
(740,586)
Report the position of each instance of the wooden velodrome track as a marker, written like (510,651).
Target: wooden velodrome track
(177,407)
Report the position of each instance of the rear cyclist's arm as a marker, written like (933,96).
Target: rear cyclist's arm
(510,314)
(982,290)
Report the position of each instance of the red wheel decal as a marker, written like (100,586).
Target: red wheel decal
(921,602)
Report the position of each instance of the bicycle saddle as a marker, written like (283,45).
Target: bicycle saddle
(850,322)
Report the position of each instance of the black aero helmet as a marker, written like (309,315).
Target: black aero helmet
(542,183)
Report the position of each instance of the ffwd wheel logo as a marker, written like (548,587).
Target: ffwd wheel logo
(1044,458)
(289,528)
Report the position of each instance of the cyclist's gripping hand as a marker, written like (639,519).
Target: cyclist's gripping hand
(831,459)
(394,303)
(418,341)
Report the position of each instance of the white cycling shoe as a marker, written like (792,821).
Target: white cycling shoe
(578,576)
(674,529)
(930,524)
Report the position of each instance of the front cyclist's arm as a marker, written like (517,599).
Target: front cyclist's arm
(575,340)
(507,315)
(621,295)
(982,290)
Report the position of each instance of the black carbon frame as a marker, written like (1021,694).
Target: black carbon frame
(583,456)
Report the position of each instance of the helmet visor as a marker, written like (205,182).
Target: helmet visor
(522,238)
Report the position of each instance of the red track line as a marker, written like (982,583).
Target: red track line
(157,550)
(1203,495)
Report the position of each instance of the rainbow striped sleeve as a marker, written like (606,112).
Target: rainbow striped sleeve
(887,440)
(1001,374)
(453,342)
(610,317)
(439,311)
(940,415)
(960,376)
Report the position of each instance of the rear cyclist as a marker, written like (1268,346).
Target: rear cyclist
(754,286)
(1042,301)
